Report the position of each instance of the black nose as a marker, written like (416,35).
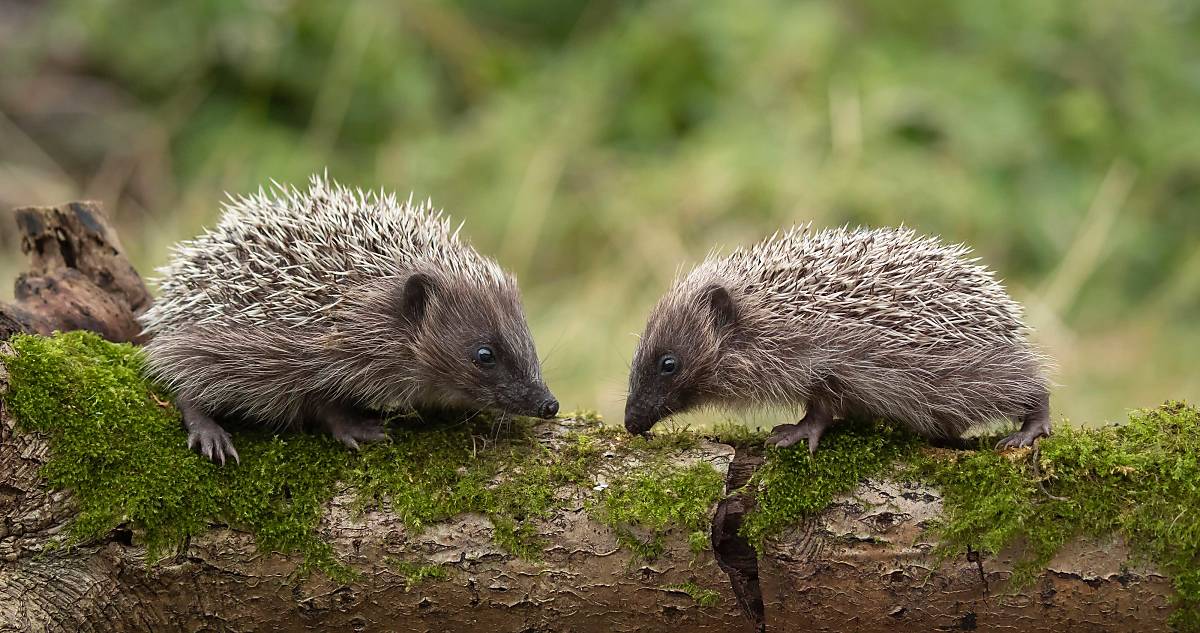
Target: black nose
(548,409)
(635,425)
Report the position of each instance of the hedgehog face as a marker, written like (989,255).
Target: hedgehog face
(677,363)
(472,346)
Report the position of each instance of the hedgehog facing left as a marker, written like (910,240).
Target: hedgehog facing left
(329,307)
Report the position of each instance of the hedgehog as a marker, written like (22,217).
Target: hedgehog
(882,323)
(330,307)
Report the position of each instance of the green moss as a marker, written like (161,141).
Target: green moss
(119,445)
(643,507)
(793,485)
(1140,480)
(589,416)
(703,597)
(666,439)
(416,573)
(735,434)
(610,432)
(431,473)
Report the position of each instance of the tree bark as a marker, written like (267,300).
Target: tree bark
(864,564)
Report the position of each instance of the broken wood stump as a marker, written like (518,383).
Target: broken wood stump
(78,276)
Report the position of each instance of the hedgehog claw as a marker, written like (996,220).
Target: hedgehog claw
(1031,429)
(1016,440)
(780,431)
(785,435)
(213,443)
(352,431)
(1022,438)
(205,436)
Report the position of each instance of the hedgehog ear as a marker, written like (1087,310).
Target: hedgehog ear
(721,307)
(414,298)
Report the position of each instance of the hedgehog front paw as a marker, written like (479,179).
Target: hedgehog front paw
(351,432)
(1022,438)
(214,443)
(785,435)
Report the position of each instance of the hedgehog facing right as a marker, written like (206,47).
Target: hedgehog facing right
(329,307)
(876,322)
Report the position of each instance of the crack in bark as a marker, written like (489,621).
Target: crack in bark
(733,552)
(976,556)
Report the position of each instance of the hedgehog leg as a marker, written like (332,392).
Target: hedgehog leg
(1034,424)
(205,436)
(818,418)
(351,427)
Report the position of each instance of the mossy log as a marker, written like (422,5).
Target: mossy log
(581,580)
(865,563)
(110,524)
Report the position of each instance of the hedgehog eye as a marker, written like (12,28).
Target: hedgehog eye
(668,365)
(485,356)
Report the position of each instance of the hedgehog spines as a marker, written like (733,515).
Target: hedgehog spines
(882,321)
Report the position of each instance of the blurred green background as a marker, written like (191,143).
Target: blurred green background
(595,147)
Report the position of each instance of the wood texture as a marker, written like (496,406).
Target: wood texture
(78,276)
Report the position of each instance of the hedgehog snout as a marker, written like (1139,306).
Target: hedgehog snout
(638,425)
(532,400)
(544,404)
(548,408)
(639,420)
